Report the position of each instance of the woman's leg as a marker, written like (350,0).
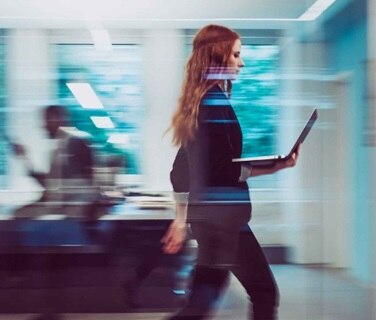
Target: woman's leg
(254,274)
(206,287)
(208,279)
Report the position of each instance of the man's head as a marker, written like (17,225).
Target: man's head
(55,116)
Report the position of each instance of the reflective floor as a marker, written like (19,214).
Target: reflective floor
(311,293)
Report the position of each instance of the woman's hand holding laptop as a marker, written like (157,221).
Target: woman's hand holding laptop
(291,161)
(277,165)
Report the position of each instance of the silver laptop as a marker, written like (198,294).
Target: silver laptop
(271,160)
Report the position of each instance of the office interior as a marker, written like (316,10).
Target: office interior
(316,221)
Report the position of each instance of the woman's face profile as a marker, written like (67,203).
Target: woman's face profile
(235,62)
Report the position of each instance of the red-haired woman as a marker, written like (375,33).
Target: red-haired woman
(207,131)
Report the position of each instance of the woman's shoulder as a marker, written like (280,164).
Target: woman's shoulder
(215,96)
(214,105)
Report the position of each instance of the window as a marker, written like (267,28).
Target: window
(254,98)
(116,78)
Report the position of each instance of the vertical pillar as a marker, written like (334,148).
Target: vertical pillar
(372,133)
(164,65)
(315,201)
(28,89)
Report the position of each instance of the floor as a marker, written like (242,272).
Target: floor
(311,293)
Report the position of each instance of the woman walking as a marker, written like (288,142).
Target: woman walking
(208,133)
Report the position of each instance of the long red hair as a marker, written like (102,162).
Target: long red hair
(212,48)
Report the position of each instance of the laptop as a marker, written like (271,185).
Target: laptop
(271,160)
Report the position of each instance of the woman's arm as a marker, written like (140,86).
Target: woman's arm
(174,237)
(20,151)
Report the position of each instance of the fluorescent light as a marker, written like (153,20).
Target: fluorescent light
(85,95)
(102,122)
(314,11)
(101,39)
(118,138)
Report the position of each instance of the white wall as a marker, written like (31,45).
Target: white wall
(164,65)
(316,194)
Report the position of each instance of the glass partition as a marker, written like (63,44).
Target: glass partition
(255,96)
(116,79)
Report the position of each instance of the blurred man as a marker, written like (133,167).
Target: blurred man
(68,190)
(68,185)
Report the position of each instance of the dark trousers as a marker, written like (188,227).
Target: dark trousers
(250,267)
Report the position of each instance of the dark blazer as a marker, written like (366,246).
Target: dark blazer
(179,175)
(215,193)
(80,160)
(74,161)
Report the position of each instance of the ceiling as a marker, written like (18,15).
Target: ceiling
(148,13)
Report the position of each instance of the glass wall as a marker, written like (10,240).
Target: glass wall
(254,97)
(116,78)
